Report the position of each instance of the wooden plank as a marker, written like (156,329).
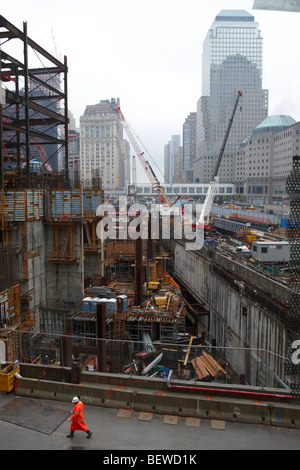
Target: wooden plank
(201,370)
(188,351)
(214,363)
(206,365)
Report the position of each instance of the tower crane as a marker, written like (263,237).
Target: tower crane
(204,215)
(147,167)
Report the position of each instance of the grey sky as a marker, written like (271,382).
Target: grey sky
(149,53)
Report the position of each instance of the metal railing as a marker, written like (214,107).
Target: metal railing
(193,362)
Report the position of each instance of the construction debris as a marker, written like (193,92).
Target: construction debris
(207,367)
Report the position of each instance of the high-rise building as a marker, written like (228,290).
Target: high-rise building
(265,160)
(178,166)
(231,61)
(101,136)
(189,145)
(169,158)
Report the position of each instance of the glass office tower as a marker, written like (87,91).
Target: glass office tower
(231,61)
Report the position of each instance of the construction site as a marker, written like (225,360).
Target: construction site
(51,258)
(132,309)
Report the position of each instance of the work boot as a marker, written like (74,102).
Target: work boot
(71,434)
(89,433)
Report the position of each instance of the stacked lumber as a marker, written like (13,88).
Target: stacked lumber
(207,367)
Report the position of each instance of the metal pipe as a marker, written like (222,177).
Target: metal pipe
(235,392)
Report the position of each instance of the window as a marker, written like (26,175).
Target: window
(264,249)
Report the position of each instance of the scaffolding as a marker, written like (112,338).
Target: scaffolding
(33,108)
(12,325)
(38,199)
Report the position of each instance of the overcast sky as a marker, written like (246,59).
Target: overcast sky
(149,54)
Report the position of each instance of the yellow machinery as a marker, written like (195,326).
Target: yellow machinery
(250,236)
(161,301)
(7,378)
(152,287)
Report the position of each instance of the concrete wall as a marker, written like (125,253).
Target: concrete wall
(235,320)
(36,246)
(65,281)
(49,284)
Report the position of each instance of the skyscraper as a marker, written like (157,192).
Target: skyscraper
(231,61)
(189,145)
(101,135)
(169,158)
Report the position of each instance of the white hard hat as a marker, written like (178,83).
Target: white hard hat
(75,400)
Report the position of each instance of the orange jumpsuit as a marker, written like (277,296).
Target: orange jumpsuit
(77,420)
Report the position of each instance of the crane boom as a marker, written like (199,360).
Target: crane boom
(204,216)
(226,135)
(145,164)
(134,181)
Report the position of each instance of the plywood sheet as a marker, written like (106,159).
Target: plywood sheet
(193,422)
(145,416)
(219,424)
(170,419)
(124,413)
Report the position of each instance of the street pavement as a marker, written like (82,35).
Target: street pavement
(116,432)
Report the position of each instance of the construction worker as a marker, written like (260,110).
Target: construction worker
(77,419)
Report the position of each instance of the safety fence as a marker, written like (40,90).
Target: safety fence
(183,360)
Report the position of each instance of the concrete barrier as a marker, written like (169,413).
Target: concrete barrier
(203,405)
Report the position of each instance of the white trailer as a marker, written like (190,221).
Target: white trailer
(271,251)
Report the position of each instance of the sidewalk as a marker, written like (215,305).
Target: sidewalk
(116,430)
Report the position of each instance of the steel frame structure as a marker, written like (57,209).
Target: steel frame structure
(27,119)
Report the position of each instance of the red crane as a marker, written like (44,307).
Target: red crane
(147,167)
